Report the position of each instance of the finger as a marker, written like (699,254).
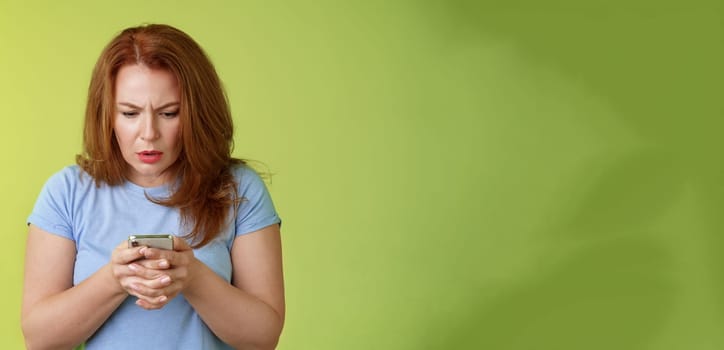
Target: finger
(179,244)
(152,303)
(121,272)
(146,291)
(177,274)
(147,306)
(156,264)
(147,273)
(128,284)
(155,253)
(124,271)
(124,255)
(173,258)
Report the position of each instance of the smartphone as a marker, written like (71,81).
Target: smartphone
(152,241)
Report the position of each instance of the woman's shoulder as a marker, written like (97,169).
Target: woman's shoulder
(70,176)
(68,173)
(247,177)
(244,170)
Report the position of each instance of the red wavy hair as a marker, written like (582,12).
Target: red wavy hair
(206,188)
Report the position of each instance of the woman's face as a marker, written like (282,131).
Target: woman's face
(146,123)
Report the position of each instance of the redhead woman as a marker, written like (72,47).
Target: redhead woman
(156,159)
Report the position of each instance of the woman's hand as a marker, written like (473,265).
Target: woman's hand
(135,274)
(163,273)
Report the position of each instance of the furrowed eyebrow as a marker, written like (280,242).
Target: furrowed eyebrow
(166,105)
(126,104)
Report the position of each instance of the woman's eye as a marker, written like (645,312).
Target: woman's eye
(129,114)
(169,114)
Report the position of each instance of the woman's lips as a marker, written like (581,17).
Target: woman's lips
(149,157)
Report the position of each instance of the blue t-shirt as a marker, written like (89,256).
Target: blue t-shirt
(97,219)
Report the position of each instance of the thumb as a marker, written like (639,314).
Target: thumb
(180,244)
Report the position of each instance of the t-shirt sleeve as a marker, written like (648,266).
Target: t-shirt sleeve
(256,209)
(52,210)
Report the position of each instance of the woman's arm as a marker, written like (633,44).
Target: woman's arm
(246,314)
(249,313)
(55,314)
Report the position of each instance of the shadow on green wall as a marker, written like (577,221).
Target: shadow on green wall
(610,296)
(610,285)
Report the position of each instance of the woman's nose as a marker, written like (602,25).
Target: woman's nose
(149,130)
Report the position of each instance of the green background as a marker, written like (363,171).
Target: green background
(452,174)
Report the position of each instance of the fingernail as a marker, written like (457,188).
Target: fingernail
(163,264)
(133,267)
(142,251)
(165,279)
(162,299)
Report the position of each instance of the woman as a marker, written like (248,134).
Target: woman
(157,159)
